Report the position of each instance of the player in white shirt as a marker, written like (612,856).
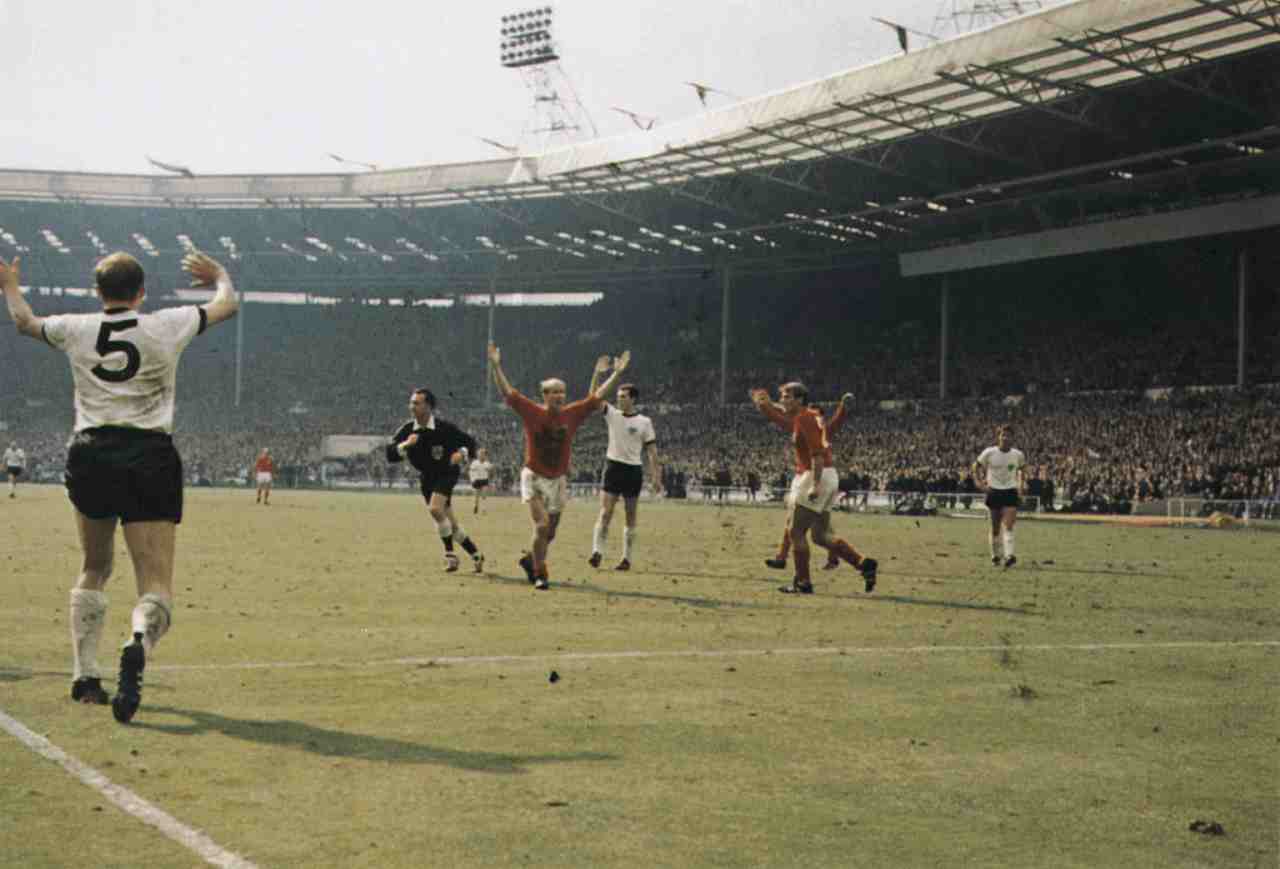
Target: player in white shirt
(121,463)
(1004,482)
(631,441)
(479,472)
(15,461)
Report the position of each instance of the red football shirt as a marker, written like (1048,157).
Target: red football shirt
(548,435)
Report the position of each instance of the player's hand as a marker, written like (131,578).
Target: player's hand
(759,397)
(495,355)
(658,491)
(603,364)
(457,457)
(204,269)
(409,441)
(9,274)
(620,363)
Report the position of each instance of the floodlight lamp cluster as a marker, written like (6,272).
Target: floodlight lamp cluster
(526,38)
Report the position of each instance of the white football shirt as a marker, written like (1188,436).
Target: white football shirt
(15,458)
(628,435)
(1002,468)
(124,364)
(479,470)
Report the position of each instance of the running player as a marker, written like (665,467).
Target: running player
(548,443)
(122,466)
(1004,482)
(779,561)
(438,449)
(480,473)
(631,440)
(15,462)
(815,487)
(263,469)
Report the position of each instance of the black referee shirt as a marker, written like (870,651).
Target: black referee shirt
(430,455)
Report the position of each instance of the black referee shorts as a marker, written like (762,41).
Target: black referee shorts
(129,474)
(998,499)
(442,483)
(623,479)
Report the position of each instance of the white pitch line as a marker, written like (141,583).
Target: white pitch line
(191,839)
(720,653)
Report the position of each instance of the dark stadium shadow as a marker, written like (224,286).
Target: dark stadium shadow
(337,743)
(588,588)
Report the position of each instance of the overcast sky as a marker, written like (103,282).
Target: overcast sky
(265,86)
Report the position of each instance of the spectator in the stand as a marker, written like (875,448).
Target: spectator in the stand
(723,482)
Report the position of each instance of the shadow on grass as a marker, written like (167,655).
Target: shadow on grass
(588,588)
(823,590)
(712,603)
(338,743)
(876,597)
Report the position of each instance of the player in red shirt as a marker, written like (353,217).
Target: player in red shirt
(779,561)
(548,442)
(263,469)
(815,487)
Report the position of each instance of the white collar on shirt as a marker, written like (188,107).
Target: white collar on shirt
(431,424)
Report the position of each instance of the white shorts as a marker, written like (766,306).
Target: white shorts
(554,492)
(802,485)
(264,478)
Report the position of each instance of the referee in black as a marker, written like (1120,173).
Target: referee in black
(439,450)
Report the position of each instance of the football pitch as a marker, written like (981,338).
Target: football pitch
(330,697)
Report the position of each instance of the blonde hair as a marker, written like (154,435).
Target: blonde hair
(550,382)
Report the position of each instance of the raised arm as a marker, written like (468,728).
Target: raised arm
(495,362)
(776,415)
(602,365)
(841,414)
(206,271)
(619,365)
(24,319)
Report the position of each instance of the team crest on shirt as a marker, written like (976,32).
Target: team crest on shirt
(437,452)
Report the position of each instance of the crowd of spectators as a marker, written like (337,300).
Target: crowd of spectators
(1075,387)
(1087,452)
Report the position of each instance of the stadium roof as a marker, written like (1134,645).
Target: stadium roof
(1091,111)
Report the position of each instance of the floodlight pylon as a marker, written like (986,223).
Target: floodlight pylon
(964,16)
(557,115)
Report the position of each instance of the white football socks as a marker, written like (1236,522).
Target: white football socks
(599,534)
(88,612)
(628,539)
(1008,542)
(151,618)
